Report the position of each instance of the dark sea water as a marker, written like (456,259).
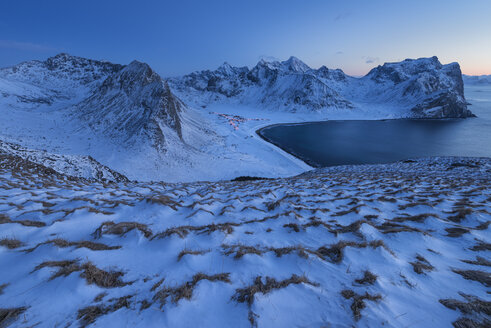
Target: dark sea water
(364,142)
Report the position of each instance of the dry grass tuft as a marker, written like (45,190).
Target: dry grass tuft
(390,227)
(191,252)
(470,323)
(473,304)
(157,284)
(89,314)
(481,246)
(420,218)
(92,274)
(421,265)
(186,290)
(241,250)
(478,261)
(271,206)
(8,316)
(368,278)
(456,232)
(335,252)
(2,287)
(475,309)
(11,243)
(247,294)
(359,301)
(26,223)
(293,226)
(301,251)
(475,275)
(121,228)
(62,243)
(163,200)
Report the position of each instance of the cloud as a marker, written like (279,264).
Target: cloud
(371,60)
(339,53)
(26,46)
(342,16)
(268,58)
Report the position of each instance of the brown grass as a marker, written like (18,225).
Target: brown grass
(475,309)
(359,301)
(456,232)
(90,314)
(241,250)
(11,243)
(473,304)
(479,261)
(191,252)
(163,200)
(121,228)
(421,265)
(470,323)
(27,223)
(62,243)
(390,227)
(186,290)
(247,294)
(92,274)
(420,218)
(157,284)
(367,279)
(335,252)
(8,316)
(2,287)
(475,275)
(293,226)
(481,246)
(459,214)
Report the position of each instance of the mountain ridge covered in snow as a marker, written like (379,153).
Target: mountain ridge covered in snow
(423,88)
(132,120)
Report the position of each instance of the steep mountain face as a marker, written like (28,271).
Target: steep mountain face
(416,88)
(133,103)
(428,87)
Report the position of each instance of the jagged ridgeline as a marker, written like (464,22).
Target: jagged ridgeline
(131,103)
(411,88)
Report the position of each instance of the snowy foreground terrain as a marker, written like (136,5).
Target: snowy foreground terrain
(399,245)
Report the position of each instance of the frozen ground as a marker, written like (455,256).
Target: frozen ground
(400,245)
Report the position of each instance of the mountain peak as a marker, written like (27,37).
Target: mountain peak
(295,65)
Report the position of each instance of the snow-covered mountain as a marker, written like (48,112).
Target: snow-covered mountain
(412,88)
(73,166)
(186,129)
(477,79)
(133,103)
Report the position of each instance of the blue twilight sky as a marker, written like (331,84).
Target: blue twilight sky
(177,37)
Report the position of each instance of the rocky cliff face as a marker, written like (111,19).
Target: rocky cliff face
(434,90)
(134,102)
(416,88)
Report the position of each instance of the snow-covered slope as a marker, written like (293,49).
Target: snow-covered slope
(70,165)
(412,88)
(477,79)
(397,245)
